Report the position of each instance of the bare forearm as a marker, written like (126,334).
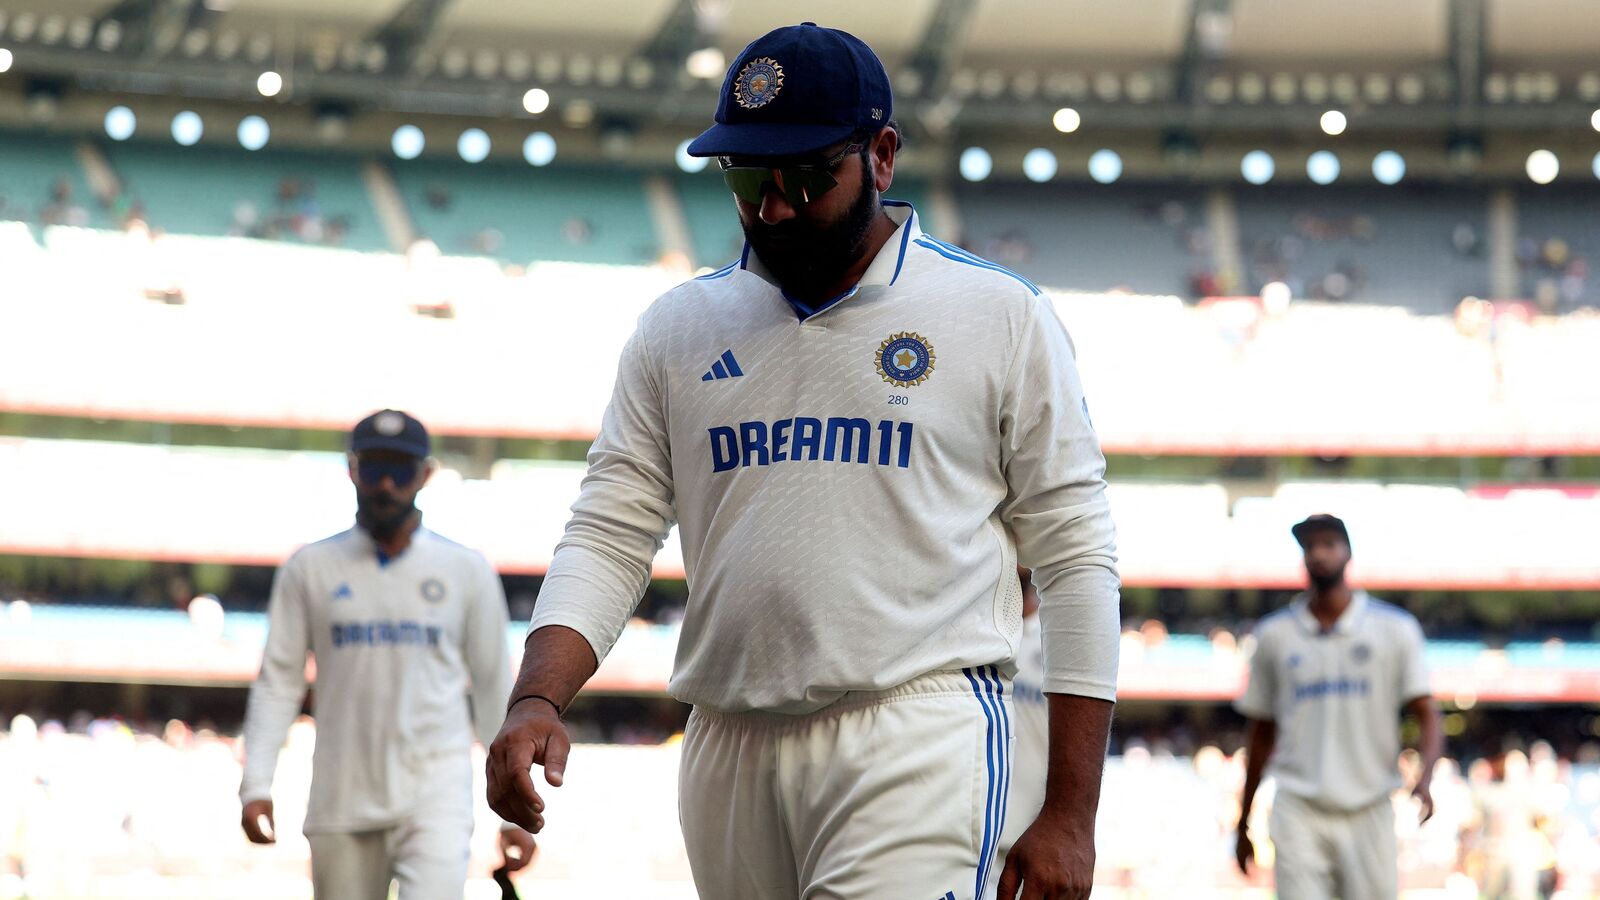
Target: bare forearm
(1262,737)
(1080,727)
(1431,736)
(556,661)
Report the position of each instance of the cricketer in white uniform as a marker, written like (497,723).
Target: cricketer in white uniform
(858,429)
(408,631)
(1329,678)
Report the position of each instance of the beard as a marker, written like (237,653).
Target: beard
(1323,580)
(383,515)
(808,258)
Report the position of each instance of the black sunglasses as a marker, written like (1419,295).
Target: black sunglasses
(372,471)
(799,183)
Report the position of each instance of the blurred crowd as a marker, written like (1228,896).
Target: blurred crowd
(89,804)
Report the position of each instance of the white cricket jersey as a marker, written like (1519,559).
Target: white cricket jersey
(852,486)
(411,656)
(1336,698)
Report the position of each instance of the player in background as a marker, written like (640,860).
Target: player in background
(408,630)
(1329,678)
(859,430)
(1031,720)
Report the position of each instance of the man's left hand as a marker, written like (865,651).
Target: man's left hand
(1053,860)
(1424,795)
(517,847)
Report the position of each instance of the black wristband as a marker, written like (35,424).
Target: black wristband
(553,705)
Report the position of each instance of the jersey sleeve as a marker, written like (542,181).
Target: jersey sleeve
(1056,509)
(622,516)
(1414,666)
(487,656)
(280,688)
(1261,687)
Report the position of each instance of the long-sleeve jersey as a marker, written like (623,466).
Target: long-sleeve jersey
(402,647)
(853,484)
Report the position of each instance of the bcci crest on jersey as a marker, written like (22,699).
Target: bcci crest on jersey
(905,359)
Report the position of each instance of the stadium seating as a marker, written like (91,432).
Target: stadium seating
(515,213)
(31,166)
(1392,245)
(1089,238)
(1559,246)
(287,195)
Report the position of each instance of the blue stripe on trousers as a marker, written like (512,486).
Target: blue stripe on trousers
(994,760)
(1005,744)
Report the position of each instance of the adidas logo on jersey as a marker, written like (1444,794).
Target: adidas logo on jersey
(725,367)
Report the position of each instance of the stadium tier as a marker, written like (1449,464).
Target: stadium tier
(515,213)
(1143,240)
(1422,247)
(278,195)
(181,504)
(208,647)
(1224,377)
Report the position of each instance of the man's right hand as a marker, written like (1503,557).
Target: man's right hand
(1244,852)
(254,812)
(532,733)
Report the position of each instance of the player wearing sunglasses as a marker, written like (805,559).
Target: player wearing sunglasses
(408,630)
(859,430)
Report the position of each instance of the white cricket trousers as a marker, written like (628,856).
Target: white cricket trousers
(889,795)
(427,853)
(1326,853)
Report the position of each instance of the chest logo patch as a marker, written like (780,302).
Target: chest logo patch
(1361,653)
(433,590)
(905,359)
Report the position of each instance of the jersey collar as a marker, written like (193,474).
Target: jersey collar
(1344,625)
(884,270)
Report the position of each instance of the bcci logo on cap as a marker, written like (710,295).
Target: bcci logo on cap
(389,424)
(758,82)
(905,359)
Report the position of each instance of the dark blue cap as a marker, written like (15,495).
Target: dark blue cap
(391,429)
(1321,522)
(796,90)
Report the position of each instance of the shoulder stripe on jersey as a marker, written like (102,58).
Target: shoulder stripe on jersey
(936,247)
(725,270)
(978,259)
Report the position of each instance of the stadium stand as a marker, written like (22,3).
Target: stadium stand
(1421,247)
(284,195)
(41,183)
(1091,238)
(1558,246)
(517,214)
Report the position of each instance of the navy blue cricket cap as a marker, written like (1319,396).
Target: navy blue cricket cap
(796,90)
(391,429)
(1321,522)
